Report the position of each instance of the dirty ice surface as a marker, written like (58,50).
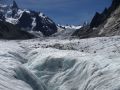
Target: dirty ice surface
(54,64)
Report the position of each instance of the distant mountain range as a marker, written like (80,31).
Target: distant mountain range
(27,19)
(69,26)
(106,23)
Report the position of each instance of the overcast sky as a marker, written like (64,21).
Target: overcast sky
(66,11)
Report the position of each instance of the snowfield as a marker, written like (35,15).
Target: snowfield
(60,64)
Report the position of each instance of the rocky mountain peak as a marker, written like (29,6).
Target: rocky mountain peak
(14,5)
(96,20)
(14,8)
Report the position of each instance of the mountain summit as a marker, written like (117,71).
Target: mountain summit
(14,6)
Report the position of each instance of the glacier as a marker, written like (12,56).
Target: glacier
(60,64)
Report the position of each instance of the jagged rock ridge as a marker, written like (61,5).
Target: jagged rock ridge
(99,18)
(105,24)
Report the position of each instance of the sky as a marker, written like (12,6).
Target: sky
(66,11)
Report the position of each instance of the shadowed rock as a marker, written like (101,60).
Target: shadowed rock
(9,31)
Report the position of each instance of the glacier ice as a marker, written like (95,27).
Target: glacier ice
(25,75)
(86,64)
(13,75)
(64,70)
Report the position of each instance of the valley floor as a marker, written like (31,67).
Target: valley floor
(54,64)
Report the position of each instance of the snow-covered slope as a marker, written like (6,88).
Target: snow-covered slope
(52,64)
(69,26)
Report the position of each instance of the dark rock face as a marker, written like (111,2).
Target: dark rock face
(115,4)
(14,8)
(99,18)
(2,18)
(45,26)
(9,31)
(96,21)
(25,21)
(106,23)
